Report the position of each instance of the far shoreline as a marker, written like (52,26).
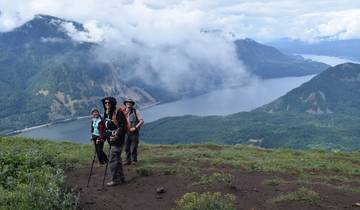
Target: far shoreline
(19,131)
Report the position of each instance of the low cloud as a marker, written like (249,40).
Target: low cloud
(179,44)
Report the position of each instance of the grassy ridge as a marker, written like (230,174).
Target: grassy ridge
(32,171)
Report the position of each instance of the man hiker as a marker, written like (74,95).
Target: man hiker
(97,135)
(135,121)
(115,127)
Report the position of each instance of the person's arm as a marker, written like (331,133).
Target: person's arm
(92,130)
(140,119)
(101,131)
(121,123)
(92,127)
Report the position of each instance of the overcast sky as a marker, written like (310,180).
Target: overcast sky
(261,20)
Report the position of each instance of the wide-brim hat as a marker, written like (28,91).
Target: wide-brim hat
(129,100)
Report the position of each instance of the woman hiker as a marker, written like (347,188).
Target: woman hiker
(97,135)
(135,121)
(115,129)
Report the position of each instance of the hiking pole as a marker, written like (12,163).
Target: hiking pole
(103,183)
(92,166)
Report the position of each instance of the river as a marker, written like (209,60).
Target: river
(220,102)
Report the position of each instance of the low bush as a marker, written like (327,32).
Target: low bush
(206,201)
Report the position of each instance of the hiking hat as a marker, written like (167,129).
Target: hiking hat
(94,110)
(129,100)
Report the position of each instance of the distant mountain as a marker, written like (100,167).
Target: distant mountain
(336,90)
(47,76)
(322,113)
(268,62)
(338,48)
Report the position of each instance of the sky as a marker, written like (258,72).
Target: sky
(185,41)
(261,20)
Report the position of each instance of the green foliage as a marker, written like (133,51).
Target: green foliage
(269,130)
(206,201)
(303,194)
(32,173)
(217,178)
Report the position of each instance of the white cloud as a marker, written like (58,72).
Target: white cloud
(259,19)
(145,32)
(92,33)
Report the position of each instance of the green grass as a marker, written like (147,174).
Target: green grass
(303,194)
(258,159)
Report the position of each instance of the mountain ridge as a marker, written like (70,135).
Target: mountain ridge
(49,76)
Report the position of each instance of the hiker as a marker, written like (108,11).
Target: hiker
(97,135)
(135,121)
(115,129)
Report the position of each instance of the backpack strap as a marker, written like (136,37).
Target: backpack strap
(137,119)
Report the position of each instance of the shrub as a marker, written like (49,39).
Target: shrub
(217,178)
(32,173)
(303,194)
(275,182)
(27,182)
(206,201)
(144,171)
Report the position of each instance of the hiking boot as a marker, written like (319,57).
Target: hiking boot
(112,183)
(127,163)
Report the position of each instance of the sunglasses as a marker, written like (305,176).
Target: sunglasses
(107,102)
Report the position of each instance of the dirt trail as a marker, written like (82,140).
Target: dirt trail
(140,191)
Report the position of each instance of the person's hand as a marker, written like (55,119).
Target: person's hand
(97,140)
(132,129)
(113,138)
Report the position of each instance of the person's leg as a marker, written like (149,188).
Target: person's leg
(128,149)
(97,149)
(134,149)
(103,154)
(117,174)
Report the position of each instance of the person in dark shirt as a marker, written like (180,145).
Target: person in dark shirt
(115,129)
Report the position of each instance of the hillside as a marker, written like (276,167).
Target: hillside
(268,62)
(234,177)
(48,76)
(336,90)
(322,113)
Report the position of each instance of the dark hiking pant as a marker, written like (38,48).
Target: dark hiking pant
(99,148)
(131,147)
(116,169)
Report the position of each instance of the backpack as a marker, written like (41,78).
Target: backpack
(127,124)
